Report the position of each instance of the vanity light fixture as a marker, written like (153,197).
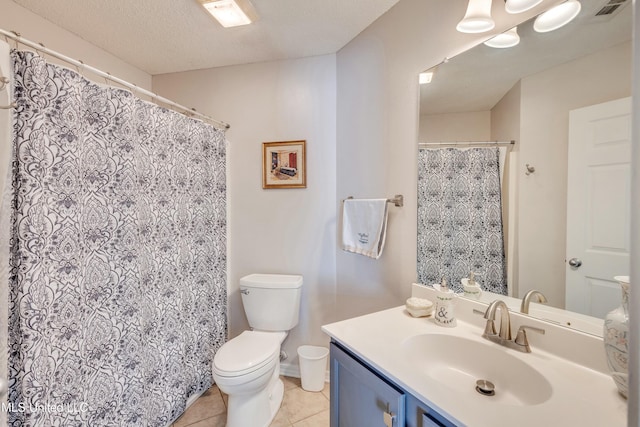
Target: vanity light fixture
(507,39)
(519,6)
(230,13)
(557,16)
(478,18)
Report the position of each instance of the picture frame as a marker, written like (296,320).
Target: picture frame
(284,164)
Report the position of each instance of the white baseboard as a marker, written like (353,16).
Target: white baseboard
(293,370)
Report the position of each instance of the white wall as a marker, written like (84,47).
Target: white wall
(275,231)
(546,99)
(468,126)
(32,27)
(505,126)
(505,117)
(634,297)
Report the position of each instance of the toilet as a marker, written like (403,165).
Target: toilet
(247,368)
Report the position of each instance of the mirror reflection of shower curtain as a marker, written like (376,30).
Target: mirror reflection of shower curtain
(118,280)
(460,217)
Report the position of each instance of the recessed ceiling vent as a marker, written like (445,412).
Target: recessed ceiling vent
(611,7)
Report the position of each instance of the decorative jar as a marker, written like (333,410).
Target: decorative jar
(616,339)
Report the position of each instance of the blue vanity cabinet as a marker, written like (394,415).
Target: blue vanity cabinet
(360,397)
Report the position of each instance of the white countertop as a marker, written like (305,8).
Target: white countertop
(581,396)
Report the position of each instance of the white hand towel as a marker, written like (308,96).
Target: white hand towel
(364,226)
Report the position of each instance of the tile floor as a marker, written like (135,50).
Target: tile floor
(299,408)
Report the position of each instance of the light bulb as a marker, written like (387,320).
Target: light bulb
(507,39)
(478,18)
(557,16)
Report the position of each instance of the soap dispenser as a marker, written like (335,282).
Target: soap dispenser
(444,315)
(471,288)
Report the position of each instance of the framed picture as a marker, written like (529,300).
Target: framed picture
(284,164)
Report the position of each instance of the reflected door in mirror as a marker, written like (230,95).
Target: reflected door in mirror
(598,205)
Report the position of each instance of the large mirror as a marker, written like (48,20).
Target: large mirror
(562,220)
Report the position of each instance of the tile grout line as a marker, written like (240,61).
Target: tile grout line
(312,415)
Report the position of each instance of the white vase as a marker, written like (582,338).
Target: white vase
(616,339)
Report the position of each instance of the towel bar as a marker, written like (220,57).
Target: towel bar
(398,200)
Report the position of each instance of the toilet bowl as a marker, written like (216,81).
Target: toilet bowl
(247,367)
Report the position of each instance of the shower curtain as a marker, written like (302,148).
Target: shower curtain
(5,217)
(460,217)
(118,282)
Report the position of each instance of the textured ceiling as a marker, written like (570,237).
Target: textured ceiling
(164,36)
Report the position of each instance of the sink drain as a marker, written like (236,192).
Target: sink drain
(485,388)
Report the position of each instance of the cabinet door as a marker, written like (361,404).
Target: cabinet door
(359,396)
(430,421)
(421,415)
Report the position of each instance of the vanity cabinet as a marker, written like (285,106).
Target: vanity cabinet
(363,397)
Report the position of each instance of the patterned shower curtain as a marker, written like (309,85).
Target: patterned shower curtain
(460,217)
(118,285)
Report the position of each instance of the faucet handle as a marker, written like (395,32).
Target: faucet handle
(521,336)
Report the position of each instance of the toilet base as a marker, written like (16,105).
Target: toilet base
(275,399)
(256,409)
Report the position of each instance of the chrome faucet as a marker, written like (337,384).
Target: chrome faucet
(524,307)
(521,343)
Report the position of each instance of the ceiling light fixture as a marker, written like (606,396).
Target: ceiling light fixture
(230,13)
(519,6)
(557,16)
(425,77)
(478,18)
(507,39)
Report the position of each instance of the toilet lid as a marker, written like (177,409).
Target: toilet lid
(247,352)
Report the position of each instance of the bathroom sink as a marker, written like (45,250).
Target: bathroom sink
(458,363)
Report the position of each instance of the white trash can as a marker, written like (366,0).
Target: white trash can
(313,365)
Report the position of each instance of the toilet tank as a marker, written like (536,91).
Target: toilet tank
(271,301)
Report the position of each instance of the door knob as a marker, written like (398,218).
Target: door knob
(575,262)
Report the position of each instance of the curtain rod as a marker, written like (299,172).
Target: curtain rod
(467,144)
(39,47)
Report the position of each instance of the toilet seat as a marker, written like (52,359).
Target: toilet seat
(248,352)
